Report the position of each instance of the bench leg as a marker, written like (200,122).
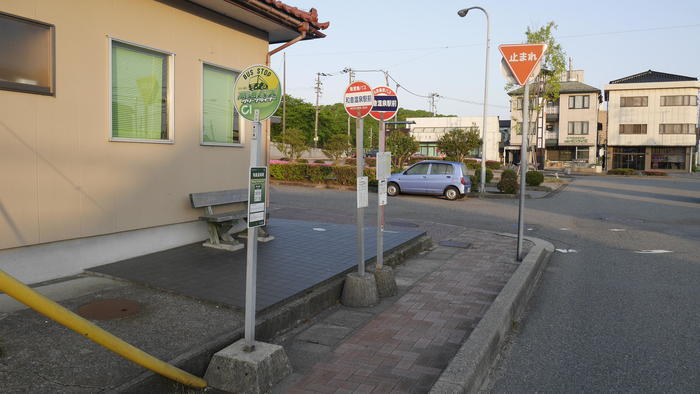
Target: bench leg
(219,238)
(263,235)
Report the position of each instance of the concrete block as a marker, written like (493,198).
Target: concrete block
(360,291)
(234,370)
(386,283)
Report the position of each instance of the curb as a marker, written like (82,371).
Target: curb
(472,363)
(272,321)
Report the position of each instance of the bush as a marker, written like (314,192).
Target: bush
(509,174)
(288,172)
(476,178)
(345,175)
(318,174)
(350,161)
(534,178)
(301,161)
(508,185)
(284,159)
(494,165)
(654,173)
(319,161)
(622,171)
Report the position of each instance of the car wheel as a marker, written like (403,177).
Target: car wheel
(451,193)
(392,189)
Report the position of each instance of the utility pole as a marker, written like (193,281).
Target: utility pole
(433,107)
(351,77)
(284,96)
(317,88)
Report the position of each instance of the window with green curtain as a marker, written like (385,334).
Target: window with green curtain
(220,119)
(139,93)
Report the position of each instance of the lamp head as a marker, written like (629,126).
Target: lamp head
(463,12)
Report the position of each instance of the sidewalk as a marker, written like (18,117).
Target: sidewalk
(405,343)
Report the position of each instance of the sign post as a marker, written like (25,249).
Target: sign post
(523,61)
(257,95)
(384,107)
(358,102)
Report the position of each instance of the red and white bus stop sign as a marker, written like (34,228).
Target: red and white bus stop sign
(522,59)
(385,104)
(358,99)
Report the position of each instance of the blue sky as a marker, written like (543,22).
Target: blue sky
(428,48)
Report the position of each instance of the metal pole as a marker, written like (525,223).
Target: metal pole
(482,184)
(318,93)
(359,122)
(523,169)
(284,96)
(252,252)
(380,208)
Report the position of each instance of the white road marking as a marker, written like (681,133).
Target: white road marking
(617,229)
(566,250)
(564,229)
(653,251)
(530,229)
(390,231)
(319,229)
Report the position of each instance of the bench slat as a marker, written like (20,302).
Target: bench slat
(220,197)
(224,216)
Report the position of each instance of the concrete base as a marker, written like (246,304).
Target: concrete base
(359,291)
(234,370)
(224,246)
(386,283)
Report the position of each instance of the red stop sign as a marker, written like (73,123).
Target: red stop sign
(358,99)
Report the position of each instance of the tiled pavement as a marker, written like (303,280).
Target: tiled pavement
(405,347)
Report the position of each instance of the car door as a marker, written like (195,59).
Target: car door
(439,177)
(414,179)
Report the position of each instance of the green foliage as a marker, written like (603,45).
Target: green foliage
(476,178)
(654,173)
(534,178)
(294,144)
(622,171)
(319,161)
(458,143)
(401,146)
(336,147)
(508,185)
(494,165)
(318,174)
(345,175)
(554,60)
(288,172)
(509,174)
(301,161)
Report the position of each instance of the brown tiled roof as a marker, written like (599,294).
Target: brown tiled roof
(310,16)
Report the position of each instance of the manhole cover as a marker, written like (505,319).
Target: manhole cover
(109,309)
(402,224)
(455,244)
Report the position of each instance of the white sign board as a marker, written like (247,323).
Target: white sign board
(381,191)
(383,165)
(362,191)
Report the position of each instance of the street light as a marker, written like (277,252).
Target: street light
(463,13)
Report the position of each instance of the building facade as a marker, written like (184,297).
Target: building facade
(427,131)
(111,113)
(565,132)
(652,121)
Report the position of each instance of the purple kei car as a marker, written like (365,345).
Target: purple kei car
(446,178)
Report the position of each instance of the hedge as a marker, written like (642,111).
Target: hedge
(476,178)
(654,173)
(509,174)
(622,171)
(508,185)
(534,178)
(343,175)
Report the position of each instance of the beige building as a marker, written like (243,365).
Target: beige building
(112,112)
(427,131)
(652,121)
(565,132)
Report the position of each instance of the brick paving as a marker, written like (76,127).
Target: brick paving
(406,347)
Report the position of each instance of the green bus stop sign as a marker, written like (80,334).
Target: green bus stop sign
(257,91)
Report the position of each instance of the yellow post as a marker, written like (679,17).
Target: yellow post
(56,312)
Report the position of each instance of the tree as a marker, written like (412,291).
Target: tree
(401,146)
(336,147)
(458,143)
(294,144)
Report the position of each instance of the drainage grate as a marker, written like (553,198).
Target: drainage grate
(455,244)
(402,224)
(109,309)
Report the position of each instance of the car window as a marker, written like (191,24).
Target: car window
(441,169)
(464,169)
(418,169)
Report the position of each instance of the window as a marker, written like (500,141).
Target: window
(639,101)
(140,94)
(518,103)
(441,169)
(220,122)
(577,102)
(668,158)
(668,101)
(418,169)
(26,55)
(578,128)
(677,128)
(428,149)
(633,129)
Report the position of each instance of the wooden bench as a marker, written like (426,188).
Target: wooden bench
(223,224)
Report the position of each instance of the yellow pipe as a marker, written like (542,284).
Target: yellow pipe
(56,312)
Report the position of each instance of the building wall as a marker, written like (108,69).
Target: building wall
(652,116)
(61,178)
(493,135)
(567,115)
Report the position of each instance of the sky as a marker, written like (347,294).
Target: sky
(427,48)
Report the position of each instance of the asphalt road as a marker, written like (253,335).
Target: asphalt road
(606,317)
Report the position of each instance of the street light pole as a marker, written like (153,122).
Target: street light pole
(463,13)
